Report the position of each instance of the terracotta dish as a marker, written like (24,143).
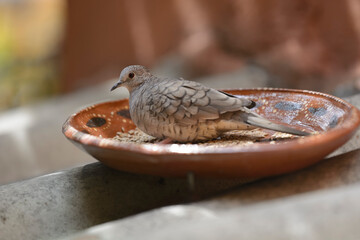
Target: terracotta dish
(334,120)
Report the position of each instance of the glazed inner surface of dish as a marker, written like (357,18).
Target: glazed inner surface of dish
(302,110)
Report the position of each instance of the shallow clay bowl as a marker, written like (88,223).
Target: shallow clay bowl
(335,120)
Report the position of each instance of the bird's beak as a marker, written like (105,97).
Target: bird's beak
(116,86)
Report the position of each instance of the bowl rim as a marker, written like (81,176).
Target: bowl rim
(350,123)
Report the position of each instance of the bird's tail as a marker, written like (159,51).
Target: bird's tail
(258,121)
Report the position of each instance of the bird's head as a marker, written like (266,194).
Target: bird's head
(131,77)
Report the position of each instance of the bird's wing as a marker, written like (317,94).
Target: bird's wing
(190,102)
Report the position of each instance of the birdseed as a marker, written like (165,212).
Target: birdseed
(231,138)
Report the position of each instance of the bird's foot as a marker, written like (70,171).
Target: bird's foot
(166,141)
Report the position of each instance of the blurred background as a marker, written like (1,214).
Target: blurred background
(58,55)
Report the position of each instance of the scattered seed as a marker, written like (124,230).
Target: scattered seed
(232,138)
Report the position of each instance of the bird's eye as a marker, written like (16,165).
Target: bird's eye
(131,75)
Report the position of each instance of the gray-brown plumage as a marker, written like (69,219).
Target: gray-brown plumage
(187,111)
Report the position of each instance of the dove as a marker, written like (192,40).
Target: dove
(186,111)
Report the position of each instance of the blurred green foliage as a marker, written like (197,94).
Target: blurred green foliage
(29,63)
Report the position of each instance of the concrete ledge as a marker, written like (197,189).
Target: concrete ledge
(62,203)
(320,202)
(322,215)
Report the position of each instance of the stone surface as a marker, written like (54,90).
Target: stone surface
(322,215)
(62,203)
(320,202)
